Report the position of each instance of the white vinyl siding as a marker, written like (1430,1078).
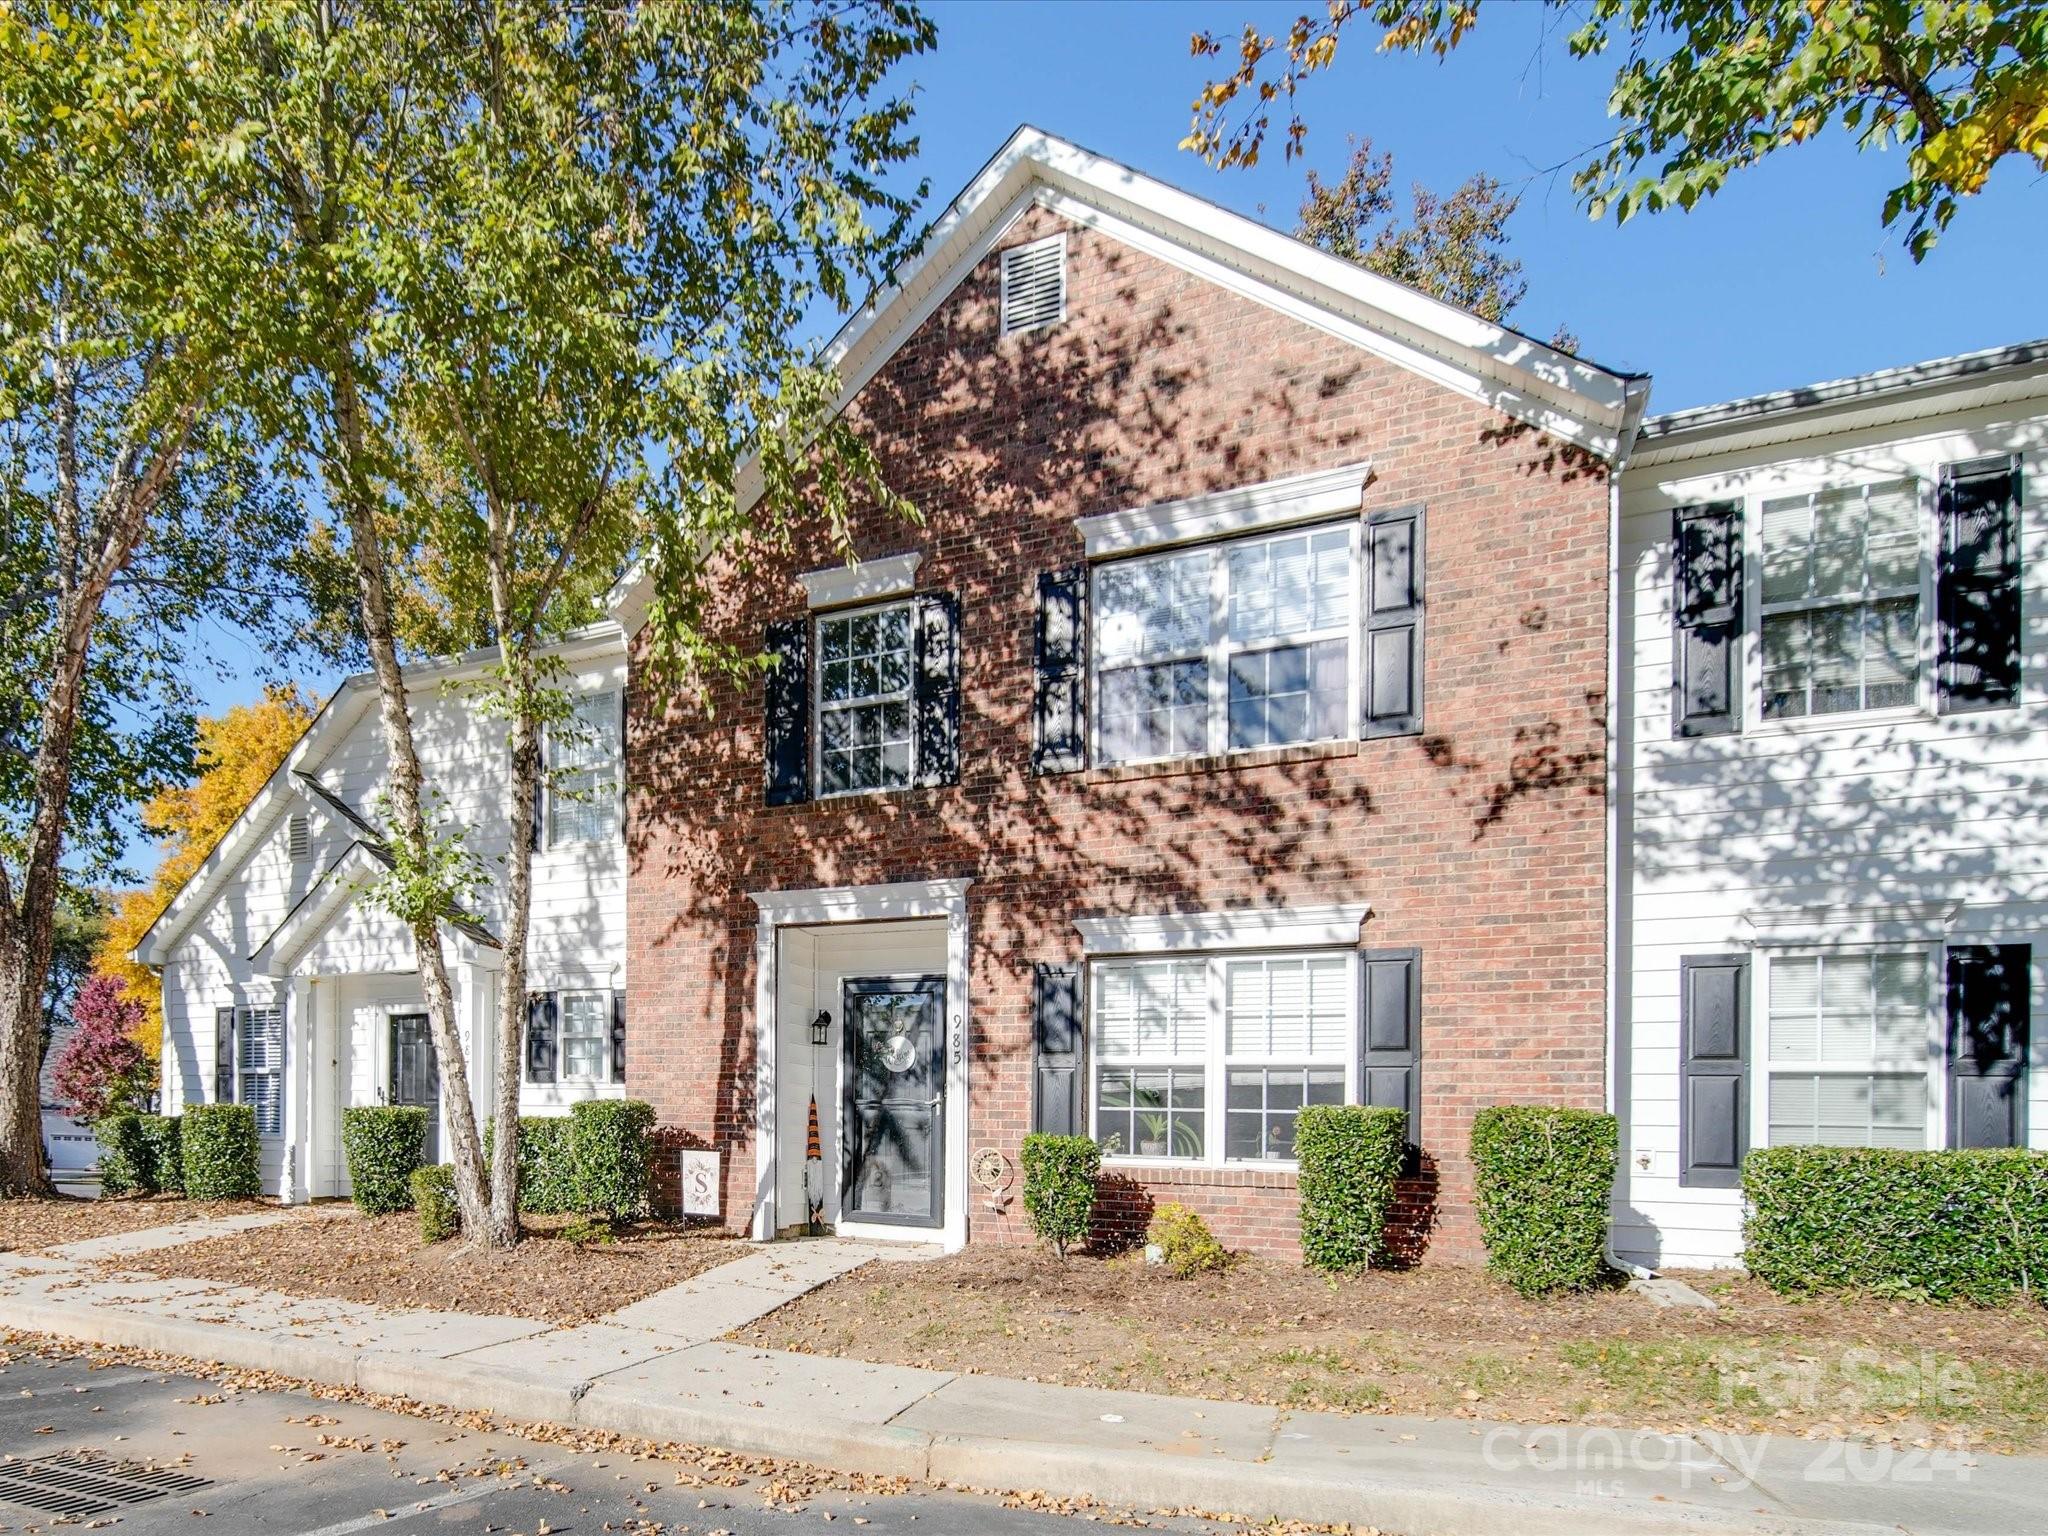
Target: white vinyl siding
(584,1020)
(1209,1059)
(1228,647)
(583,774)
(864,700)
(259,1066)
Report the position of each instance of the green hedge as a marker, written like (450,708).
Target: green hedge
(1350,1156)
(547,1173)
(221,1153)
(163,1150)
(1059,1186)
(433,1196)
(1185,1243)
(608,1153)
(1945,1226)
(1544,1180)
(124,1159)
(384,1143)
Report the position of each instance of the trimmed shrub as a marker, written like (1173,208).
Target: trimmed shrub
(433,1196)
(221,1153)
(547,1174)
(1544,1179)
(1940,1226)
(1350,1156)
(384,1143)
(608,1151)
(1059,1186)
(163,1152)
(124,1158)
(1185,1243)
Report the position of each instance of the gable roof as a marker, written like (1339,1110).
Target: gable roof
(1569,397)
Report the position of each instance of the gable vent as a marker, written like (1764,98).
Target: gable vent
(299,836)
(1035,284)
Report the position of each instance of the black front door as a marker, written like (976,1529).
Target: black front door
(416,1075)
(895,1036)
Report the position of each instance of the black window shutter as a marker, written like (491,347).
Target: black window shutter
(223,1055)
(1977,586)
(1706,618)
(936,688)
(1393,623)
(618,1037)
(536,813)
(786,717)
(1056,1051)
(1059,740)
(1390,1038)
(540,1037)
(1988,1026)
(1713,1067)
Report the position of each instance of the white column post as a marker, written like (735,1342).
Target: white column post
(296,1083)
(765,1128)
(954,1233)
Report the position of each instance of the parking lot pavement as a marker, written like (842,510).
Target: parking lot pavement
(143,1452)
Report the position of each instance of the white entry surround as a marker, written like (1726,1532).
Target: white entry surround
(909,925)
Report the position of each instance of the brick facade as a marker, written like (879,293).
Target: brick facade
(1482,841)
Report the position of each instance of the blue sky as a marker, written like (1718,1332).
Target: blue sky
(1786,278)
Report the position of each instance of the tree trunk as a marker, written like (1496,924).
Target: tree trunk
(503,1231)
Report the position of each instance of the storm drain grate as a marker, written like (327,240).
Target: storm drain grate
(80,1483)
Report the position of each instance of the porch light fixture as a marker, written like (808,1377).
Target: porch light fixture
(821,1028)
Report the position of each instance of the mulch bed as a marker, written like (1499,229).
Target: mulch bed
(29,1226)
(1445,1341)
(380,1259)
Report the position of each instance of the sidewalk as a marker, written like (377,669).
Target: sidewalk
(659,1369)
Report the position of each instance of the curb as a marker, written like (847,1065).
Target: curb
(1134,1478)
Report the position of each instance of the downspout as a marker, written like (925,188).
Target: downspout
(1617,830)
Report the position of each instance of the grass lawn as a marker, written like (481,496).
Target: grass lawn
(1445,1341)
(29,1226)
(380,1259)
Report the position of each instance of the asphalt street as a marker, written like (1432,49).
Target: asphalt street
(140,1452)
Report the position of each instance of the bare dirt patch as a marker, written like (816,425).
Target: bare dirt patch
(1443,1341)
(28,1226)
(380,1259)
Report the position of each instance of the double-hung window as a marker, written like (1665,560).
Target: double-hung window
(1243,644)
(864,699)
(583,773)
(1851,1048)
(1841,600)
(259,1066)
(1210,1058)
(586,1027)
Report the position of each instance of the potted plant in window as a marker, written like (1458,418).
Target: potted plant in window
(1151,1135)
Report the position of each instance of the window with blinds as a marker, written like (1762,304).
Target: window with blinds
(583,773)
(1034,285)
(1850,1052)
(259,1066)
(585,1023)
(1841,600)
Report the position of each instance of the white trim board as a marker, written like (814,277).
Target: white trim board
(1245,509)
(1201,932)
(863,581)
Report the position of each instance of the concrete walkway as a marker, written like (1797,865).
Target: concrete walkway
(660,1368)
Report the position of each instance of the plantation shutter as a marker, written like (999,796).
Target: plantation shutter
(1390,1038)
(1988,1028)
(1713,1097)
(1706,543)
(1056,1048)
(618,1037)
(1977,586)
(1392,688)
(540,1037)
(1059,742)
(786,715)
(936,688)
(223,1055)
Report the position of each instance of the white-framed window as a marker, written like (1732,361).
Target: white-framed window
(864,706)
(1842,609)
(1854,1055)
(583,773)
(259,1066)
(1245,643)
(586,1035)
(1208,1059)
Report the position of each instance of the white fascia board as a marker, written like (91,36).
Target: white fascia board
(1269,504)
(862,903)
(862,582)
(1201,932)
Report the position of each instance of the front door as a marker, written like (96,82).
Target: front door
(416,1075)
(895,1036)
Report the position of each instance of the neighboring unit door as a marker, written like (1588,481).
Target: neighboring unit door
(895,1036)
(416,1075)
